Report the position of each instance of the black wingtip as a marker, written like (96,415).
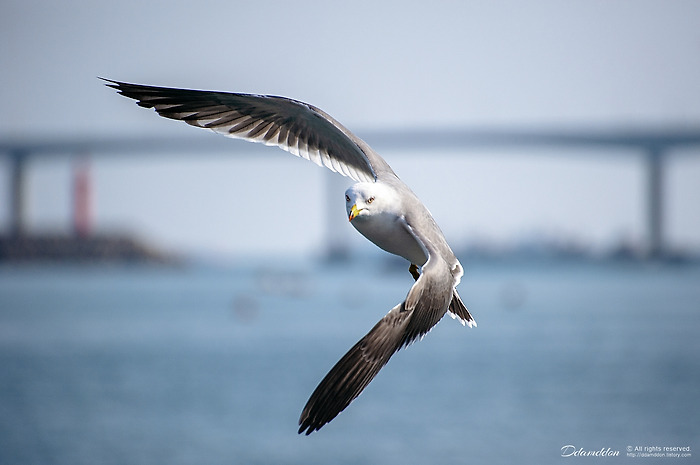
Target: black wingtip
(305,424)
(121,87)
(307,428)
(302,429)
(110,82)
(132,91)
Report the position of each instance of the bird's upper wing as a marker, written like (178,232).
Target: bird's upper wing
(425,305)
(294,126)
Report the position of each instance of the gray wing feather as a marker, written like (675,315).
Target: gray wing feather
(294,126)
(425,305)
(346,380)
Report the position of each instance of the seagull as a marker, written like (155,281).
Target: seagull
(380,206)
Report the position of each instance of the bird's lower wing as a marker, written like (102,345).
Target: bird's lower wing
(355,370)
(425,305)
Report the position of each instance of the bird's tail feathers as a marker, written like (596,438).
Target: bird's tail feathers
(459,311)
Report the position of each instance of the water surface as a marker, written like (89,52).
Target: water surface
(143,365)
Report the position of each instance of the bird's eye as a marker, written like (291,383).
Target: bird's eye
(370,200)
(347,198)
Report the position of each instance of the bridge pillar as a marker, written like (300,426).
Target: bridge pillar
(655,202)
(336,228)
(18,160)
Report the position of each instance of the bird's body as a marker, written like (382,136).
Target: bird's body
(385,226)
(380,206)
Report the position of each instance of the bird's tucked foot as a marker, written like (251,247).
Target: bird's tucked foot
(413,269)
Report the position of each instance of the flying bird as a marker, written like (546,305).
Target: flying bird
(380,206)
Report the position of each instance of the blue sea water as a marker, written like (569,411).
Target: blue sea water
(200,365)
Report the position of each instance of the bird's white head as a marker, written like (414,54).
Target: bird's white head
(367,199)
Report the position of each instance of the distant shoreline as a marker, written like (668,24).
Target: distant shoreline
(63,247)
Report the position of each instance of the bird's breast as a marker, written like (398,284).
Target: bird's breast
(388,233)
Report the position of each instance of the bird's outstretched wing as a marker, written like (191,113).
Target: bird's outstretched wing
(425,305)
(294,126)
(354,371)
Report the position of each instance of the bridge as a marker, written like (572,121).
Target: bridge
(653,145)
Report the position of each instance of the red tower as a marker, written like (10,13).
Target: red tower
(82,198)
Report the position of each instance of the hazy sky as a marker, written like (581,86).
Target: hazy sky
(536,64)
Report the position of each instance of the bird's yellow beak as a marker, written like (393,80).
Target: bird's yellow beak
(354,211)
